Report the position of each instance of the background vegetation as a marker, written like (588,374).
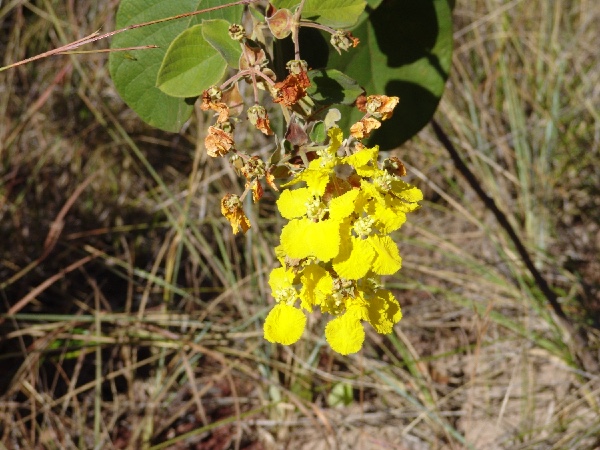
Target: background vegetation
(136,315)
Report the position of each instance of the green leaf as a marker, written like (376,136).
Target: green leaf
(190,66)
(134,73)
(333,13)
(405,50)
(216,32)
(318,133)
(333,87)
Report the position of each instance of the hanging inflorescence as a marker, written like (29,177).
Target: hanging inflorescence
(340,201)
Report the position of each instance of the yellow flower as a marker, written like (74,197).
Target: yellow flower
(383,311)
(282,285)
(336,246)
(317,285)
(345,334)
(284,324)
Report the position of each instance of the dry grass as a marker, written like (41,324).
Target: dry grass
(138,315)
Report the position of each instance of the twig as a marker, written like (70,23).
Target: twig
(68,48)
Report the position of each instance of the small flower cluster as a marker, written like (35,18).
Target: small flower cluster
(336,245)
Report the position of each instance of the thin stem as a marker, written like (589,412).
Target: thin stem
(296,30)
(96,36)
(318,26)
(244,73)
(252,74)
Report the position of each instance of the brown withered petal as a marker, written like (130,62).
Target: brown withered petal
(252,57)
(264,126)
(394,166)
(361,103)
(257,115)
(223,111)
(363,128)
(303,79)
(218,142)
(208,102)
(257,190)
(231,208)
(292,89)
(271,180)
(382,105)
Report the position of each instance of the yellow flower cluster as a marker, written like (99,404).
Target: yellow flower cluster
(336,247)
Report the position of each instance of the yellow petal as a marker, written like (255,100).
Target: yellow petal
(383,311)
(386,219)
(355,258)
(345,334)
(316,179)
(302,238)
(317,285)
(284,324)
(342,206)
(364,161)
(280,278)
(292,203)
(387,258)
(406,192)
(336,136)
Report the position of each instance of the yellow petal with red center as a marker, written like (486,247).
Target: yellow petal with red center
(302,238)
(284,324)
(342,206)
(345,333)
(292,203)
(387,258)
(383,311)
(355,258)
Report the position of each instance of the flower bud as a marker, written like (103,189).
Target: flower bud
(237,32)
(343,40)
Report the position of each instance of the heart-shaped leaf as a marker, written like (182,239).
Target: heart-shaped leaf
(333,13)
(216,32)
(135,72)
(405,50)
(190,66)
(333,87)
